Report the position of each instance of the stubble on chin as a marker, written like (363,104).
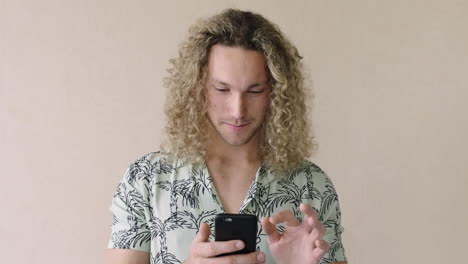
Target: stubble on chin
(235,141)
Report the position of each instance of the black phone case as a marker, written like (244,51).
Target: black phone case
(237,227)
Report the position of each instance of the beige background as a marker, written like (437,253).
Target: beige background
(81,98)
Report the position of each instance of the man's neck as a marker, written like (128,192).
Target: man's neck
(221,152)
(233,156)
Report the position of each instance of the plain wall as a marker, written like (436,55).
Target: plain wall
(81,97)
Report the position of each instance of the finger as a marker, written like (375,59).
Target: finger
(203,234)
(213,249)
(317,228)
(308,212)
(312,219)
(315,235)
(285,217)
(270,230)
(254,257)
(321,248)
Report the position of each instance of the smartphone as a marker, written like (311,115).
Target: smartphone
(237,227)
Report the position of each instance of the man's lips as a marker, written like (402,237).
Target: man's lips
(236,127)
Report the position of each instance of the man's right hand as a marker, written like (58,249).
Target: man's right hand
(205,252)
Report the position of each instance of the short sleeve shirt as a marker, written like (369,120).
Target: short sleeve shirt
(161,202)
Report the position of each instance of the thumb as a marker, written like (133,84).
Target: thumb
(270,230)
(203,233)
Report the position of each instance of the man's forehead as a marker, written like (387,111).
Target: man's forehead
(229,66)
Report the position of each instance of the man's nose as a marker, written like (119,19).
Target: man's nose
(238,106)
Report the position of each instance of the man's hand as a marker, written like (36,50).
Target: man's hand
(300,242)
(203,251)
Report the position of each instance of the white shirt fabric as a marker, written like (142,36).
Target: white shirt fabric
(161,202)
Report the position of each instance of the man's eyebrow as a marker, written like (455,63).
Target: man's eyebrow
(219,82)
(257,84)
(250,86)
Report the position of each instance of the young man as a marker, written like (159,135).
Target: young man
(237,139)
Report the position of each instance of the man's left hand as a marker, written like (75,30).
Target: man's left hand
(300,242)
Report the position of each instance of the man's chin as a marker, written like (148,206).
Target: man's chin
(232,138)
(237,142)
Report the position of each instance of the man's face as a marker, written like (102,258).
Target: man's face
(237,91)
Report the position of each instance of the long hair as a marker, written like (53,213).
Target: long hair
(286,132)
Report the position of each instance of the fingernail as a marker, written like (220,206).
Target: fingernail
(261,257)
(240,244)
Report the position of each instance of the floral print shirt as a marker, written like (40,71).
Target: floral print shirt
(161,202)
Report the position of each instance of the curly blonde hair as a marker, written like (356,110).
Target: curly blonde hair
(286,132)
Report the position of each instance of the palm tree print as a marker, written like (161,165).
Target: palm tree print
(329,198)
(137,231)
(178,188)
(159,231)
(160,197)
